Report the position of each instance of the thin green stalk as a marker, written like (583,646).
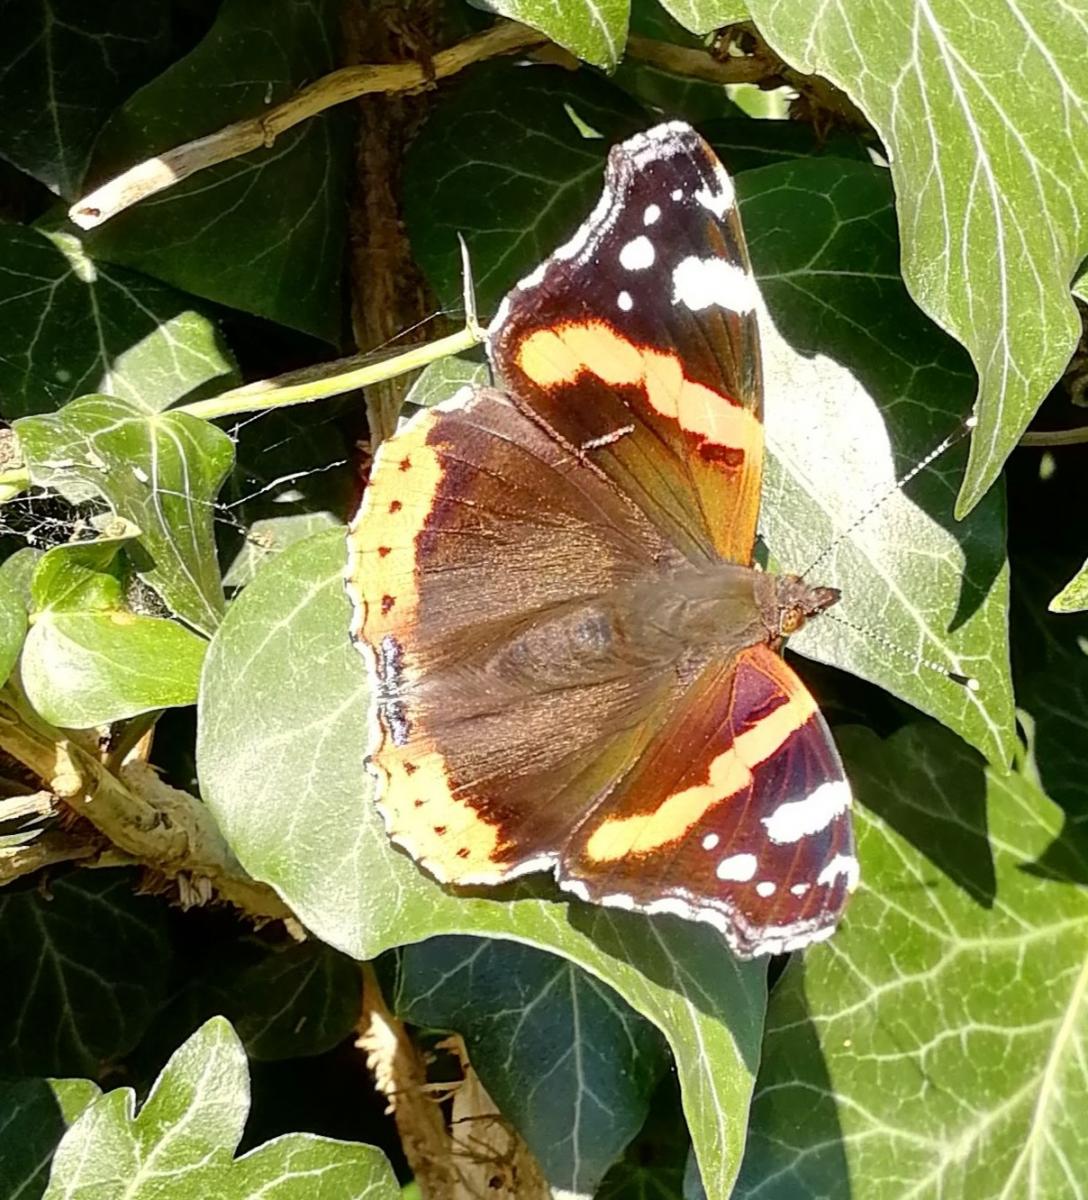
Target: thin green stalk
(256,397)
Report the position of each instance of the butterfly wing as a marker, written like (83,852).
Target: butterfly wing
(636,343)
(737,813)
(504,701)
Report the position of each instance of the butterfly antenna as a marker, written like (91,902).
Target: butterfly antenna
(915,660)
(946,444)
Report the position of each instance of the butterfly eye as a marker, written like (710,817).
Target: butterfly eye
(792,620)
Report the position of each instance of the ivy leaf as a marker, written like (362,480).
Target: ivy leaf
(64,67)
(679,95)
(860,387)
(991,180)
(83,576)
(160,471)
(84,971)
(285,1002)
(593,30)
(937,1039)
(1074,596)
(280,211)
(504,164)
(565,1059)
(282,768)
(703,16)
(82,669)
(36,1113)
(74,325)
(182,1142)
(12,626)
(442,379)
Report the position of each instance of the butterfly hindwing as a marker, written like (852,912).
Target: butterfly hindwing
(737,814)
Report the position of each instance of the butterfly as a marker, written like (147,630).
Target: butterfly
(574,664)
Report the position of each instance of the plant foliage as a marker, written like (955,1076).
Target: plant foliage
(183,710)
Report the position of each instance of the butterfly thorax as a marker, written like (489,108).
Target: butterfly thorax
(676,621)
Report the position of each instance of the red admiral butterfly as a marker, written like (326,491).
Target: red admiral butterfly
(573,660)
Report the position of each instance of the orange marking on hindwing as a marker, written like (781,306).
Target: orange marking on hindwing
(730,773)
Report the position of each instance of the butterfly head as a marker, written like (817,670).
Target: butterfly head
(792,603)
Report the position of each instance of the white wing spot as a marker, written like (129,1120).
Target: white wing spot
(625,302)
(739,867)
(841,864)
(678,194)
(710,841)
(799,889)
(651,214)
(718,201)
(766,888)
(700,283)
(795,819)
(638,254)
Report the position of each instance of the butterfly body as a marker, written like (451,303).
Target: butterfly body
(574,662)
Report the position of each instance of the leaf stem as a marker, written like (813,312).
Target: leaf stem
(1055,437)
(269,393)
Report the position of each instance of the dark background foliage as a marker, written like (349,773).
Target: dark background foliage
(184,714)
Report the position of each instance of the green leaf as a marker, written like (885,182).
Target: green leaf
(1074,596)
(442,379)
(988,141)
(83,576)
(282,769)
(593,30)
(935,1047)
(84,970)
(73,325)
(34,1114)
(264,232)
(182,1142)
(860,387)
(565,1059)
(744,144)
(12,627)
(17,570)
(503,163)
(267,538)
(663,91)
(284,1002)
(64,66)
(81,669)
(160,471)
(702,16)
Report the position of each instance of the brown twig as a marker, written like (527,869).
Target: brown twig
(155,174)
(507,37)
(156,825)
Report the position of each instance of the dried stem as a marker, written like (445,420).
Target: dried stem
(163,171)
(507,37)
(156,825)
